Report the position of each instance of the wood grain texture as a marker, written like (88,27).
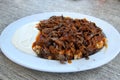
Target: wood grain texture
(11,10)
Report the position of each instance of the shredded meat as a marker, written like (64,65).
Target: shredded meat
(63,38)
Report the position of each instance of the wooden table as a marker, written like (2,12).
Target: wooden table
(11,10)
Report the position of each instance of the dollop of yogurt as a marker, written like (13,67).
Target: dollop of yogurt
(24,37)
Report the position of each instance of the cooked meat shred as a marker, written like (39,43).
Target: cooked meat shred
(64,39)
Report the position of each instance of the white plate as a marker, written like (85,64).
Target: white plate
(100,58)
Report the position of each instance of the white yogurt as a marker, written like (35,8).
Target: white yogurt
(24,37)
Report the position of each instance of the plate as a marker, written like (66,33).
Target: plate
(100,58)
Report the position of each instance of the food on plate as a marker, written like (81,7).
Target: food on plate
(65,39)
(24,37)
